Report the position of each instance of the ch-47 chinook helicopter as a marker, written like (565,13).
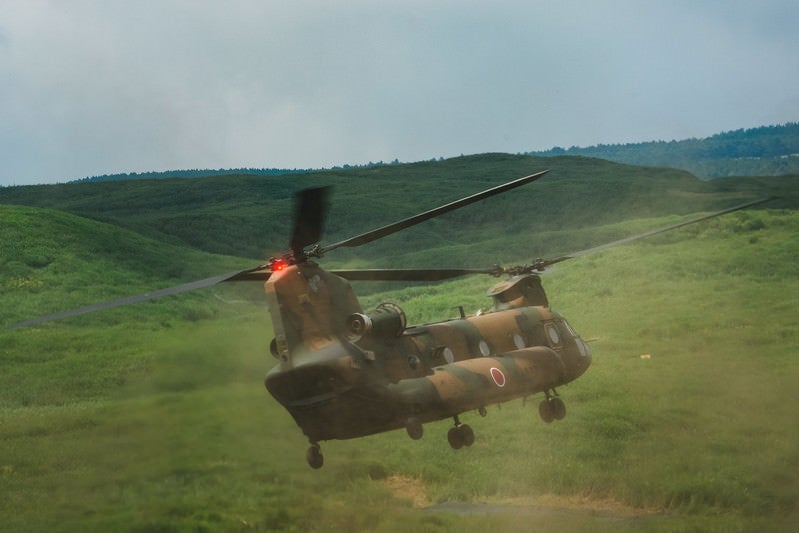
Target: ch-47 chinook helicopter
(343,373)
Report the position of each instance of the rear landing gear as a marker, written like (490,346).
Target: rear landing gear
(461,435)
(314,456)
(552,408)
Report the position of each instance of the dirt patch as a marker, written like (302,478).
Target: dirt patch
(576,503)
(408,488)
(413,489)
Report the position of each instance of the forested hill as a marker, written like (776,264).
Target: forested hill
(250,216)
(763,151)
(205,173)
(193,173)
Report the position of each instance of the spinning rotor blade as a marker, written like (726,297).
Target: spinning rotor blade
(309,215)
(169,291)
(543,263)
(259,273)
(430,274)
(308,221)
(379,233)
(310,211)
(537,265)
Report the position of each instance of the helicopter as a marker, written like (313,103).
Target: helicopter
(344,373)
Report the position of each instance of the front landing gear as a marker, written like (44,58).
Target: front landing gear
(314,456)
(461,435)
(552,408)
(414,428)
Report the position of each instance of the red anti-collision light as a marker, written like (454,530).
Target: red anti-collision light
(277,264)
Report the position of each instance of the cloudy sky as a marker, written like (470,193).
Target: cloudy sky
(96,87)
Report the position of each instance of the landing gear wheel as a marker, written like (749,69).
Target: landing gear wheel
(546,411)
(558,408)
(460,436)
(467,434)
(314,457)
(414,428)
(455,438)
(552,408)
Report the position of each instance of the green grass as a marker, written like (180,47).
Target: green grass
(51,261)
(153,421)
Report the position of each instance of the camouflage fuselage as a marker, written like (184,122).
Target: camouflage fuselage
(338,385)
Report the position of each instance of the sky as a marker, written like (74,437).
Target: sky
(113,86)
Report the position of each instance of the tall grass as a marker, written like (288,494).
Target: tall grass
(147,424)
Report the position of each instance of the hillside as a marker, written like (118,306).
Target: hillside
(51,261)
(250,216)
(148,421)
(763,151)
(154,416)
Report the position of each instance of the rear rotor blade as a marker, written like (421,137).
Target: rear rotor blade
(536,266)
(379,233)
(541,264)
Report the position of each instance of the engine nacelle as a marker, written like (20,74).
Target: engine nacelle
(387,319)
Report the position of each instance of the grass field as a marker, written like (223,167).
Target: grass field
(156,419)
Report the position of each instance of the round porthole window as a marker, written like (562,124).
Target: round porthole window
(553,335)
(518,341)
(484,349)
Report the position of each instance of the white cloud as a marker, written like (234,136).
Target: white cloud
(94,87)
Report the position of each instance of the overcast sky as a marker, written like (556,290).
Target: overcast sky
(96,87)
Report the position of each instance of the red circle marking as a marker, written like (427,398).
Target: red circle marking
(498,376)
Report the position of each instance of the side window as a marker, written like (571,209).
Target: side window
(553,337)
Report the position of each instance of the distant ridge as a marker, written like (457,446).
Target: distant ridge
(250,216)
(762,151)
(205,173)
(193,173)
(759,151)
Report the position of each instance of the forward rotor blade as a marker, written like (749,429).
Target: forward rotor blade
(543,263)
(432,274)
(259,273)
(169,291)
(310,211)
(379,233)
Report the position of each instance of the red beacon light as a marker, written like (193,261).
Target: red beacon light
(276,264)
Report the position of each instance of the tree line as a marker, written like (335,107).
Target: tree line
(765,151)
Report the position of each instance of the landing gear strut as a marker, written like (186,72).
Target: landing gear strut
(552,408)
(461,435)
(314,456)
